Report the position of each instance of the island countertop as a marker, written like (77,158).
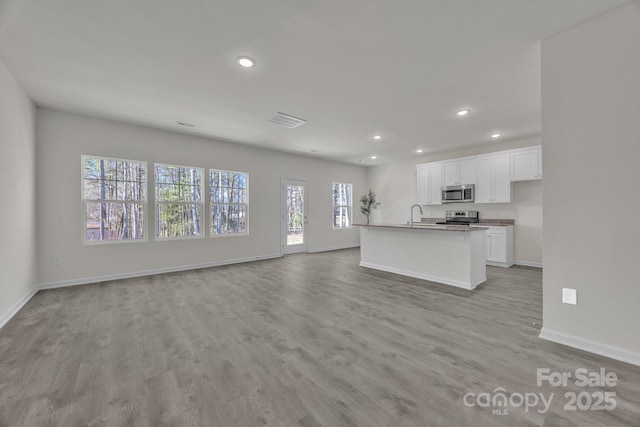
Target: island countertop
(427,227)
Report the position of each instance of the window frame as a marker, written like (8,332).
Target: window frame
(211,204)
(84,201)
(157,202)
(348,206)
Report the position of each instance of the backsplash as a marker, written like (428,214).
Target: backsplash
(489,221)
(495,211)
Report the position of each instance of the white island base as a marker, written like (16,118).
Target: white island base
(438,254)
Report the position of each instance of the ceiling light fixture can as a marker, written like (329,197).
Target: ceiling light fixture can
(374,157)
(419,150)
(496,135)
(246,61)
(463,113)
(377,137)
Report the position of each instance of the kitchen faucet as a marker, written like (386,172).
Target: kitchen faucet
(411,221)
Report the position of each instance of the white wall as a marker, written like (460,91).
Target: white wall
(17,196)
(64,137)
(395,185)
(591,134)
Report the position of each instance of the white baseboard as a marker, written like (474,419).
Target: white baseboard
(6,316)
(432,278)
(96,279)
(591,346)
(528,264)
(499,264)
(334,248)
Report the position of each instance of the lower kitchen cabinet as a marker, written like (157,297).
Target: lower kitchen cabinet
(500,245)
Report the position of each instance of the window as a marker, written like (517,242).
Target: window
(341,205)
(179,205)
(113,199)
(228,198)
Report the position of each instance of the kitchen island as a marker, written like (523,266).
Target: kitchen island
(453,255)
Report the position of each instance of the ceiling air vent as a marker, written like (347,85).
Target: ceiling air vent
(287,120)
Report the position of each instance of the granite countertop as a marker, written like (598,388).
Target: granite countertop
(426,227)
(486,222)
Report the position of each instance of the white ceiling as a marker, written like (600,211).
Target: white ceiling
(350,68)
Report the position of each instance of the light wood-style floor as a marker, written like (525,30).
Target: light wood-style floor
(305,340)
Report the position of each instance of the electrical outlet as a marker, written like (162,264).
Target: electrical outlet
(569,296)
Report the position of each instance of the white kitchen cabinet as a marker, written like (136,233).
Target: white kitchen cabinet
(526,164)
(450,173)
(422,194)
(499,245)
(496,248)
(491,173)
(483,191)
(493,184)
(429,183)
(459,171)
(501,178)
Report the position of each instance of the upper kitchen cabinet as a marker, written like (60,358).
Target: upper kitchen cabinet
(491,173)
(459,172)
(526,164)
(429,183)
(494,178)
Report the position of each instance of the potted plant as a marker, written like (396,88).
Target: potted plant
(368,203)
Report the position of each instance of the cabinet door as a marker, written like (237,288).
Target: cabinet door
(422,196)
(429,181)
(467,170)
(483,180)
(496,248)
(525,164)
(450,173)
(501,178)
(459,172)
(435,183)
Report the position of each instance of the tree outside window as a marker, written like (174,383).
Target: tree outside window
(113,199)
(342,205)
(179,206)
(229,202)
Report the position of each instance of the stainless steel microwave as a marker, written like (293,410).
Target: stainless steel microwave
(458,193)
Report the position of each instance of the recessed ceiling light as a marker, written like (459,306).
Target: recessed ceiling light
(463,113)
(374,157)
(419,150)
(246,61)
(496,135)
(377,137)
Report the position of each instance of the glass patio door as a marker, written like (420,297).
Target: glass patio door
(294,216)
